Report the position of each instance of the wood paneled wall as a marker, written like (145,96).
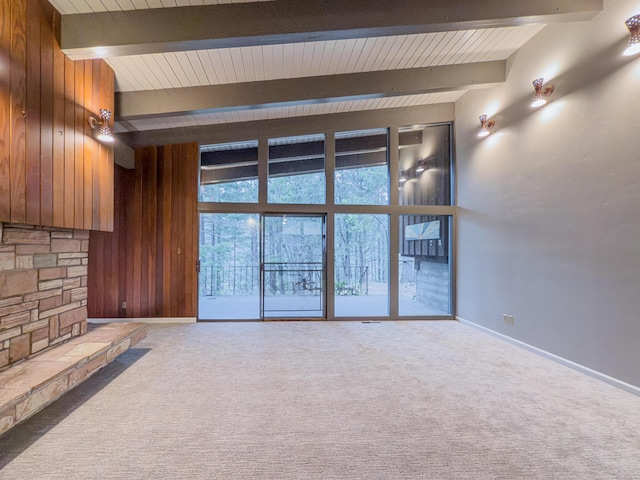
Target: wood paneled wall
(52,170)
(149,259)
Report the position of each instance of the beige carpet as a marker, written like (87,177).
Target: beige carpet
(343,400)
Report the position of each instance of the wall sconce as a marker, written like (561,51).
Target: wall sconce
(403,176)
(633,24)
(421,165)
(485,126)
(104,131)
(538,99)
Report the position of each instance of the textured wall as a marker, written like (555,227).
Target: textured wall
(43,288)
(549,204)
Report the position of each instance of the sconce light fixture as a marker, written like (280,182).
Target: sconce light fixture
(421,165)
(633,24)
(538,99)
(104,131)
(403,176)
(485,126)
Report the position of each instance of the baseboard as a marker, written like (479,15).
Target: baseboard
(563,361)
(145,320)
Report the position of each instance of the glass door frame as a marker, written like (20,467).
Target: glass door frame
(323,266)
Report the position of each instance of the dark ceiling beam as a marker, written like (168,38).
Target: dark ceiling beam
(292,126)
(135,32)
(294,91)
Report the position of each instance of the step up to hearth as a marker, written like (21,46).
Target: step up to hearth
(31,385)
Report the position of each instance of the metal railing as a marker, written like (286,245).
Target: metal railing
(217,280)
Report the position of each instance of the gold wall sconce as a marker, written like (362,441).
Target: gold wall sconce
(633,46)
(538,99)
(485,126)
(104,130)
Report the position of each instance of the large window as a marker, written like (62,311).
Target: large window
(296,170)
(362,168)
(361,265)
(319,231)
(229,266)
(424,272)
(424,165)
(229,172)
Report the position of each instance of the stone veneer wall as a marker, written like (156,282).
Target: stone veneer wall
(43,288)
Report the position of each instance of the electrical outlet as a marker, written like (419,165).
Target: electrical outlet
(124,305)
(505,318)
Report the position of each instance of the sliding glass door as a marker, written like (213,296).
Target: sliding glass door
(229,266)
(293,266)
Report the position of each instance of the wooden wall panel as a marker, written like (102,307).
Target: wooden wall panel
(69,143)
(18,100)
(46,121)
(34,13)
(149,259)
(58,138)
(52,170)
(5,109)
(87,167)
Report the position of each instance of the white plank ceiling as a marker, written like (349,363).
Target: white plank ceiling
(298,60)
(68,7)
(264,63)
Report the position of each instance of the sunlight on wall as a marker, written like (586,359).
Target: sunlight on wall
(492,141)
(636,69)
(550,72)
(492,109)
(551,111)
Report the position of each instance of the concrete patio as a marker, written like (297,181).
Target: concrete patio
(247,307)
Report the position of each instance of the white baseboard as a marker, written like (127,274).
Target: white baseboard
(563,361)
(145,320)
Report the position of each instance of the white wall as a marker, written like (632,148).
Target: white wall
(549,222)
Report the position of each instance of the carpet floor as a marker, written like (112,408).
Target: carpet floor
(330,400)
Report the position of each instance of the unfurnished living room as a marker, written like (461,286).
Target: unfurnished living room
(319,240)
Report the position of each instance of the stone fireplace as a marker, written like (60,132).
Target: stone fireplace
(43,288)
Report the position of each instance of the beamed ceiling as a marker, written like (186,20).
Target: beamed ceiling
(185,65)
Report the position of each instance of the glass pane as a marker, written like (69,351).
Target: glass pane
(362,168)
(229,172)
(296,170)
(229,266)
(424,270)
(361,265)
(425,165)
(293,266)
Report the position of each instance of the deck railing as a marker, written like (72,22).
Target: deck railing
(217,280)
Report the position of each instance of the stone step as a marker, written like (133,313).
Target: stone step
(29,386)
